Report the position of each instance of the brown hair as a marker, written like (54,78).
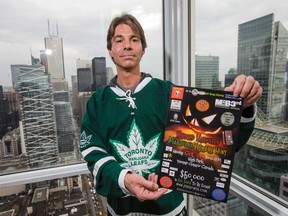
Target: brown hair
(130,21)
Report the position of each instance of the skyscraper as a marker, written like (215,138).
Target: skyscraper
(38,116)
(262,53)
(84,79)
(230,76)
(4,110)
(15,71)
(99,72)
(207,72)
(55,57)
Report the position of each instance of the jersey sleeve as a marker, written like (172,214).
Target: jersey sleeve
(246,128)
(107,173)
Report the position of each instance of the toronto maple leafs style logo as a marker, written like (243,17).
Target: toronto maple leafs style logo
(84,140)
(137,157)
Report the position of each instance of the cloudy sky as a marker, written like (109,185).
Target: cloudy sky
(83,26)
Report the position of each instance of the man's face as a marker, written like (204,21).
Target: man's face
(126,48)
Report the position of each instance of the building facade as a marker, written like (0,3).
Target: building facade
(54,63)
(38,116)
(99,72)
(207,72)
(262,53)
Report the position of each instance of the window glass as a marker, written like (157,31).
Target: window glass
(41,114)
(251,39)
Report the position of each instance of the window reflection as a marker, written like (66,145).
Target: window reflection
(43,94)
(262,48)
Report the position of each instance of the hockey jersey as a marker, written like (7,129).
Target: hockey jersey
(123,131)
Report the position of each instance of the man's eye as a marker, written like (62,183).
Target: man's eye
(118,41)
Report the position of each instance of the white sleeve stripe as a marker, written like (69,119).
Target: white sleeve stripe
(121,181)
(87,151)
(98,165)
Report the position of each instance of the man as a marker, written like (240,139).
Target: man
(122,130)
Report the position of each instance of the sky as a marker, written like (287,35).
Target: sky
(83,27)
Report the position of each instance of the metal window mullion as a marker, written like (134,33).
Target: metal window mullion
(39,175)
(258,201)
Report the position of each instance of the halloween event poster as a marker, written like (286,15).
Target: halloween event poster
(200,142)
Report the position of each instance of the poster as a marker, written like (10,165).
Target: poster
(200,142)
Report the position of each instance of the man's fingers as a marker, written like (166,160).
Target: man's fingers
(152,195)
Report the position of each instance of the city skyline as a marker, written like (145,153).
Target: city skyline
(26,26)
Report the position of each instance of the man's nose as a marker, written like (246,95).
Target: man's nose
(127,44)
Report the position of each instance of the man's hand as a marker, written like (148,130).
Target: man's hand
(143,189)
(246,87)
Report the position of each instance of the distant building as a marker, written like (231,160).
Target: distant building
(262,53)
(10,145)
(53,57)
(64,121)
(75,100)
(207,72)
(15,72)
(65,126)
(84,79)
(110,74)
(61,96)
(99,72)
(283,191)
(59,84)
(9,119)
(13,101)
(83,99)
(38,116)
(4,110)
(230,76)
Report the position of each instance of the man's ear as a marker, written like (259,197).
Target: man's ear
(110,53)
(143,52)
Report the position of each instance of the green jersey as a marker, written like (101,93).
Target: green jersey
(123,131)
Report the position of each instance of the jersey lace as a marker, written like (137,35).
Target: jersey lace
(127,97)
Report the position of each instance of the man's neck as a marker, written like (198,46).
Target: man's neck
(128,79)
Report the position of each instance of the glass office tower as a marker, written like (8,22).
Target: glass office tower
(207,72)
(38,116)
(99,72)
(55,57)
(262,53)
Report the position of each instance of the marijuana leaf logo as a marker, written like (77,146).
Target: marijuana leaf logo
(137,156)
(84,140)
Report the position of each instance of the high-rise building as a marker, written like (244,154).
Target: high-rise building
(4,110)
(262,53)
(9,118)
(15,71)
(207,72)
(75,100)
(110,74)
(99,72)
(54,56)
(283,191)
(10,145)
(83,99)
(84,75)
(64,121)
(230,76)
(38,116)
(84,79)
(65,126)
